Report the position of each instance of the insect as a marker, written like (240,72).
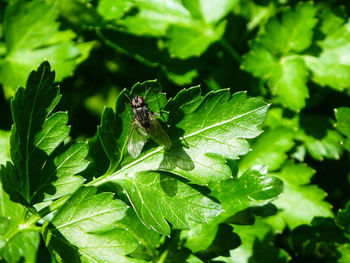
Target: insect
(144,124)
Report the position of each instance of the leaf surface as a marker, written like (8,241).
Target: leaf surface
(23,246)
(84,229)
(332,66)
(30,40)
(269,149)
(204,130)
(159,198)
(40,169)
(300,201)
(272,56)
(342,116)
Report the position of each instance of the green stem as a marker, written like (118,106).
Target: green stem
(29,223)
(163,256)
(235,55)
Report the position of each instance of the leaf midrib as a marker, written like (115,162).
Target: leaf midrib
(115,175)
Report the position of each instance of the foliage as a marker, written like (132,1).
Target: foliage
(253,94)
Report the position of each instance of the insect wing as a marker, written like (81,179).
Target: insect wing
(158,134)
(137,139)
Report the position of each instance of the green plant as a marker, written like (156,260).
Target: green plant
(256,173)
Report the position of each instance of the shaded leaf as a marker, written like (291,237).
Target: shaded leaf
(23,246)
(159,198)
(300,201)
(84,229)
(35,137)
(30,40)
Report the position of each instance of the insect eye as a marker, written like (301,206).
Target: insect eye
(141,100)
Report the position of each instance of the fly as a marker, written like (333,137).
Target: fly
(144,124)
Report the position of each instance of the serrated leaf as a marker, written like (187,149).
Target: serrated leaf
(332,66)
(30,40)
(272,56)
(204,131)
(84,229)
(159,198)
(269,149)
(300,201)
(251,189)
(293,32)
(196,124)
(39,171)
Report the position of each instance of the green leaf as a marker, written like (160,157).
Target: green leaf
(342,116)
(343,218)
(114,9)
(145,50)
(114,129)
(204,131)
(332,67)
(31,35)
(253,188)
(313,133)
(185,41)
(269,149)
(23,246)
(293,32)
(149,240)
(319,137)
(204,137)
(84,229)
(344,250)
(78,12)
(159,198)
(4,146)
(256,13)
(300,201)
(213,11)
(190,27)
(257,245)
(153,17)
(272,56)
(318,240)
(40,170)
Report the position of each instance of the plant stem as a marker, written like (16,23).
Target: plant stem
(235,55)
(47,210)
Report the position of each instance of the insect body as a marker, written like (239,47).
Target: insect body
(144,124)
